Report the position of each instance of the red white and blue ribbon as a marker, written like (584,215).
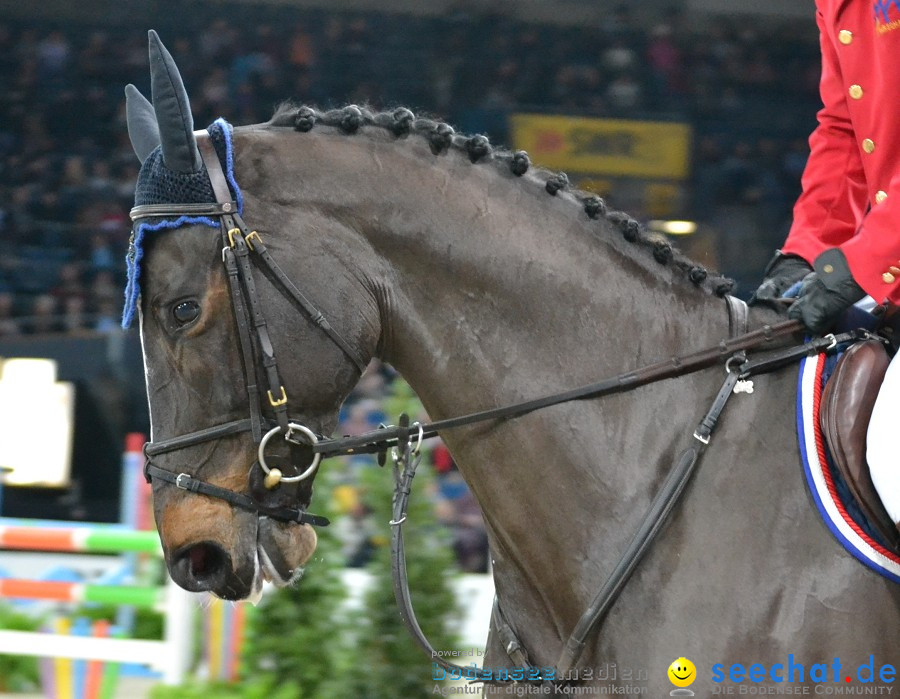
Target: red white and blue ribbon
(821,483)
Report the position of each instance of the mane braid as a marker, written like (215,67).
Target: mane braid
(441,137)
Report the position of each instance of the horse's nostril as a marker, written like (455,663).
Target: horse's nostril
(206,560)
(201,567)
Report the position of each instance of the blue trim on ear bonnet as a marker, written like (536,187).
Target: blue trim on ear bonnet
(159,185)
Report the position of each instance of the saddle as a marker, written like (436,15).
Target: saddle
(847,403)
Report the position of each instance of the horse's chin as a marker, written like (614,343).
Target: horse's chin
(279,577)
(279,556)
(282,551)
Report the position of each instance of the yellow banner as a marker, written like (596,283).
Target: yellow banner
(604,146)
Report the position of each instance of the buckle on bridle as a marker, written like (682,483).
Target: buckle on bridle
(250,236)
(182,481)
(275,402)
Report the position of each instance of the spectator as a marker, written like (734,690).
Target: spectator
(618,58)
(44,316)
(8,324)
(74,317)
(101,254)
(65,157)
(69,283)
(624,94)
(104,289)
(53,55)
(107,320)
(665,61)
(457,508)
(301,50)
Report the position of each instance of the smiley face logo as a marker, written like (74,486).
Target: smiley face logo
(682,672)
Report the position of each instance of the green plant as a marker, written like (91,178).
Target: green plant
(251,689)
(386,661)
(297,633)
(18,673)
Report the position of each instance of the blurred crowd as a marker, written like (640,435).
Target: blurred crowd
(454,505)
(67,169)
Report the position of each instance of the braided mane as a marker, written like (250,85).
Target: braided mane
(441,137)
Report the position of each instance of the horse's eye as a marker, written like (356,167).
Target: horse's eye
(186,311)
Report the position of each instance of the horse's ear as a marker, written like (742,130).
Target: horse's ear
(142,128)
(173,111)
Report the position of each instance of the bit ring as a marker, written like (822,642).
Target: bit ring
(292,428)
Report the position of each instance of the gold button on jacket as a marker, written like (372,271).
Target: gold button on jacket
(868,145)
(845,36)
(856,92)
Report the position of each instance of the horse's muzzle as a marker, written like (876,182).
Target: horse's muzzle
(207,567)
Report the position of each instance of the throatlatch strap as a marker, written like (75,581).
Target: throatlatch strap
(276,275)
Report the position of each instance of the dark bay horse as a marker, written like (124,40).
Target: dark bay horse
(484,286)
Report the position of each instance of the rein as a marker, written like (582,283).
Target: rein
(382,439)
(738,370)
(242,248)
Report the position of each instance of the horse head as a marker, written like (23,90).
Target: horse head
(202,372)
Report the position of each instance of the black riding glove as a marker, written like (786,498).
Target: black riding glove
(781,274)
(827,292)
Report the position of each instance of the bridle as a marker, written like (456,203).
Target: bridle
(243,247)
(240,245)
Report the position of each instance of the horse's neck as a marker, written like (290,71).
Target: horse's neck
(491,291)
(513,298)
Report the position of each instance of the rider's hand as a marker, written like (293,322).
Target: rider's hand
(827,292)
(781,274)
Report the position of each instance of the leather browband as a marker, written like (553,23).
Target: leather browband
(145,210)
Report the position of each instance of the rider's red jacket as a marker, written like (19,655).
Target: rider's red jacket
(851,185)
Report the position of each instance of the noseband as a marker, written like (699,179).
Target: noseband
(240,245)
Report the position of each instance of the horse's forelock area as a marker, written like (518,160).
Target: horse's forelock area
(397,124)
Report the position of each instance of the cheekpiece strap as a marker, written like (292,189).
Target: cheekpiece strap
(214,168)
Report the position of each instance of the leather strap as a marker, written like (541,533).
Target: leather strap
(213,167)
(650,526)
(277,276)
(241,317)
(207,434)
(507,636)
(245,502)
(385,438)
(738,316)
(168,210)
(404,471)
(670,493)
(264,347)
